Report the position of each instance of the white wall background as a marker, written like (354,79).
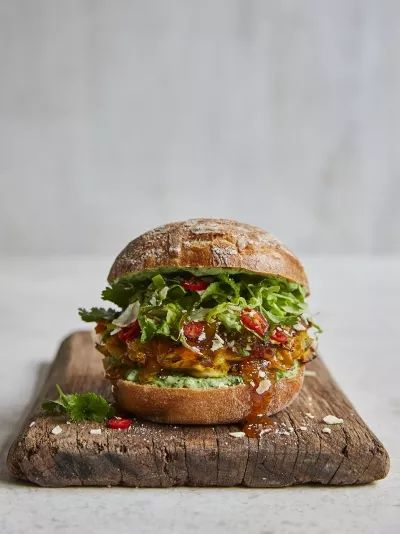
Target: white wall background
(117,116)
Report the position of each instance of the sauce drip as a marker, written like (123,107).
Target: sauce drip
(258,374)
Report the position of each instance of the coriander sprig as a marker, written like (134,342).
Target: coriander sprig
(79,406)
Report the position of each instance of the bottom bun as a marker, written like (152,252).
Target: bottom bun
(211,406)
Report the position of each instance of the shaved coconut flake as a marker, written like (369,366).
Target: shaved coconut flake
(115,331)
(217,343)
(95,431)
(310,415)
(326,430)
(332,420)
(129,315)
(263,386)
(299,327)
(302,427)
(309,373)
(56,430)
(237,434)
(202,337)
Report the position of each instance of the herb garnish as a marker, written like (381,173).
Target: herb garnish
(79,406)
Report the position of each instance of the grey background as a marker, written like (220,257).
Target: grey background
(118,116)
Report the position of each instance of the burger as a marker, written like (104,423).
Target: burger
(208,325)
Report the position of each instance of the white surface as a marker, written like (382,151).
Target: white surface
(358,299)
(129,113)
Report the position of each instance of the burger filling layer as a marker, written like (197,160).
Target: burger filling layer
(179,329)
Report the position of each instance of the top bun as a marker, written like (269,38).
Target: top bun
(209,244)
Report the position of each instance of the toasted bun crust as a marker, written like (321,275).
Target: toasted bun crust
(209,243)
(211,406)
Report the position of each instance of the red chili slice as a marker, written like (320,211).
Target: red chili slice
(121,423)
(194,329)
(195,284)
(254,320)
(279,336)
(129,332)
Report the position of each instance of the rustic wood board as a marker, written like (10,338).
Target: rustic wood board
(152,455)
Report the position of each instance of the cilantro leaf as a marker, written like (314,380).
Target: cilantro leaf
(88,407)
(124,291)
(79,406)
(97,314)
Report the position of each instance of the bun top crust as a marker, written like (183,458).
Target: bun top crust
(209,244)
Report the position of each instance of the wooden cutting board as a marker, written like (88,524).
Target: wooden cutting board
(296,451)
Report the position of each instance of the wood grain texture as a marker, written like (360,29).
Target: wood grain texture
(152,455)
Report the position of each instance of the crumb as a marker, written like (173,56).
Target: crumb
(68,422)
(302,427)
(310,415)
(56,430)
(237,434)
(332,420)
(262,374)
(326,430)
(95,431)
(309,373)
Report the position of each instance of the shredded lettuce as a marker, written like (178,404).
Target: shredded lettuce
(165,305)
